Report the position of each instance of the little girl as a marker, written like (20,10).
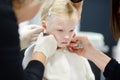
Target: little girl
(60,20)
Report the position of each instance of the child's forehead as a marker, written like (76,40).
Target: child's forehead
(63,22)
(62,25)
(62,19)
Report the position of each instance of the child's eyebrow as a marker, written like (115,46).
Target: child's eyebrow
(59,26)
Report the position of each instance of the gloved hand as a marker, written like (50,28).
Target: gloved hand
(29,34)
(46,44)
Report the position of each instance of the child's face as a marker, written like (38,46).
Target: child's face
(62,29)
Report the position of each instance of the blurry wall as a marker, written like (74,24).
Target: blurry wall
(96,18)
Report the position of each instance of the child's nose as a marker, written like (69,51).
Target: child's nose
(66,36)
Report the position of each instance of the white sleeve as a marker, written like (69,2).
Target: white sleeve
(27,55)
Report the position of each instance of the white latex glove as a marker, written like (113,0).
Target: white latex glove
(46,44)
(29,34)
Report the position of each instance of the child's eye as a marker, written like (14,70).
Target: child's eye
(71,30)
(60,30)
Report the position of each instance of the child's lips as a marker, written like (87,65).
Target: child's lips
(64,42)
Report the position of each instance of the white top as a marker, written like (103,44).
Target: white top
(67,66)
(64,66)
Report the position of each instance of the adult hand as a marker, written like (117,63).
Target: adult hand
(89,51)
(46,44)
(29,34)
(82,46)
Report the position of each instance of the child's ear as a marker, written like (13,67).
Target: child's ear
(44,24)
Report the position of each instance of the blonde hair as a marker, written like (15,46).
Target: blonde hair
(57,7)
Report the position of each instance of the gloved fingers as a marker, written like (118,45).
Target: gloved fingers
(33,26)
(46,44)
(33,39)
(35,35)
(51,38)
(37,30)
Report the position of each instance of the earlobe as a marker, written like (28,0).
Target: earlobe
(44,24)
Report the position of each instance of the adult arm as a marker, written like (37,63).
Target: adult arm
(10,57)
(112,70)
(109,66)
(88,51)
